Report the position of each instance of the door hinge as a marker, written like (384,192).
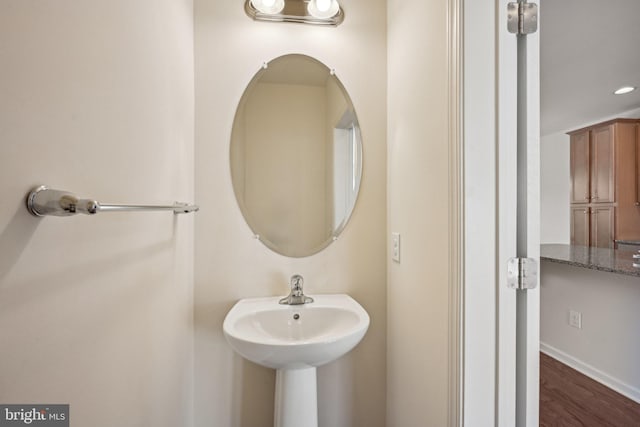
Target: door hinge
(522,273)
(522,18)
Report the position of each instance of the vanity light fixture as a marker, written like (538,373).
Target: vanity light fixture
(317,12)
(624,89)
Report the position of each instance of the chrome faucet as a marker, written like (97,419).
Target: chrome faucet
(297,296)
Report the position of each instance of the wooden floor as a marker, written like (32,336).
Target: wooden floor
(568,398)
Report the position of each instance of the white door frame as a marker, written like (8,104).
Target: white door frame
(494,378)
(480,245)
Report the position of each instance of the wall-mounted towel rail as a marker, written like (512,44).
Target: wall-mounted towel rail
(44,201)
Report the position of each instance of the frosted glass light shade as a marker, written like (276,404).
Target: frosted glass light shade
(270,7)
(323,8)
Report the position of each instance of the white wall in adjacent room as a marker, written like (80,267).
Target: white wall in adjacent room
(607,346)
(554,189)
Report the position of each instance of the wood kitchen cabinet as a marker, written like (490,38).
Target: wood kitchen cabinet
(602,223)
(605,183)
(580,160)
(580,225)
(638,162)
(602,180)
(593,225)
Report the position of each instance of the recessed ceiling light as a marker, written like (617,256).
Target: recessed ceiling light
(624,89)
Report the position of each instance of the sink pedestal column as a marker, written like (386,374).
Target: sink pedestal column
(296,398)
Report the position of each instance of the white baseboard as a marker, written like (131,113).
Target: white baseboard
(627,390)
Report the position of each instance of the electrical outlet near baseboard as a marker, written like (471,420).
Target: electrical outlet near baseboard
(575,319)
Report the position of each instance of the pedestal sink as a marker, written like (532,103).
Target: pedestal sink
(294,340)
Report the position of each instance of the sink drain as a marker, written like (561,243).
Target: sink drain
(296,316)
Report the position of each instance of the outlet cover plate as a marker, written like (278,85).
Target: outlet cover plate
(575,319)
(395,247)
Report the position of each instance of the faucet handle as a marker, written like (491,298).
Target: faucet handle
(296,284)
(296,296)
(297,281)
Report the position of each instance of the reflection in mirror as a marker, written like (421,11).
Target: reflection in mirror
(296,156)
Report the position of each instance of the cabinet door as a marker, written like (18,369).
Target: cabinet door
(579,154)
(602,226)
(602,165)
(638,164)
(580,225)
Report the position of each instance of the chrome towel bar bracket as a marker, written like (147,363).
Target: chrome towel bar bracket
(44,201)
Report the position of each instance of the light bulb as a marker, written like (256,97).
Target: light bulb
(270,7)
(323,5)
(323,9)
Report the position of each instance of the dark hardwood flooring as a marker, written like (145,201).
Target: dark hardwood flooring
(568,398)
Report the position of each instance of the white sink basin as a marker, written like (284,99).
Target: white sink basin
(295,336)
(294,340)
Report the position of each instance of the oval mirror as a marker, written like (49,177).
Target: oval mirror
(296,155)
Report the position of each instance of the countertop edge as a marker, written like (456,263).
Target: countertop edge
(590,266)
(605,260)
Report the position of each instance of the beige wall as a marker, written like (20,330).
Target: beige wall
(231,265)
(96,97)
(417,292)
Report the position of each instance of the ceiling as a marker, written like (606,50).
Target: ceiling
(588,49)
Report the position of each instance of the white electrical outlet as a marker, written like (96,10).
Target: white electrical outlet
(395,247)
(575,319)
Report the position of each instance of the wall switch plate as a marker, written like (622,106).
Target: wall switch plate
(395,247)
(575,319)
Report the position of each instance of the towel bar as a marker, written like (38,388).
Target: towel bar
(44,201)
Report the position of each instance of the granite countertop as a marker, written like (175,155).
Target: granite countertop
(610,260)
(629,242)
